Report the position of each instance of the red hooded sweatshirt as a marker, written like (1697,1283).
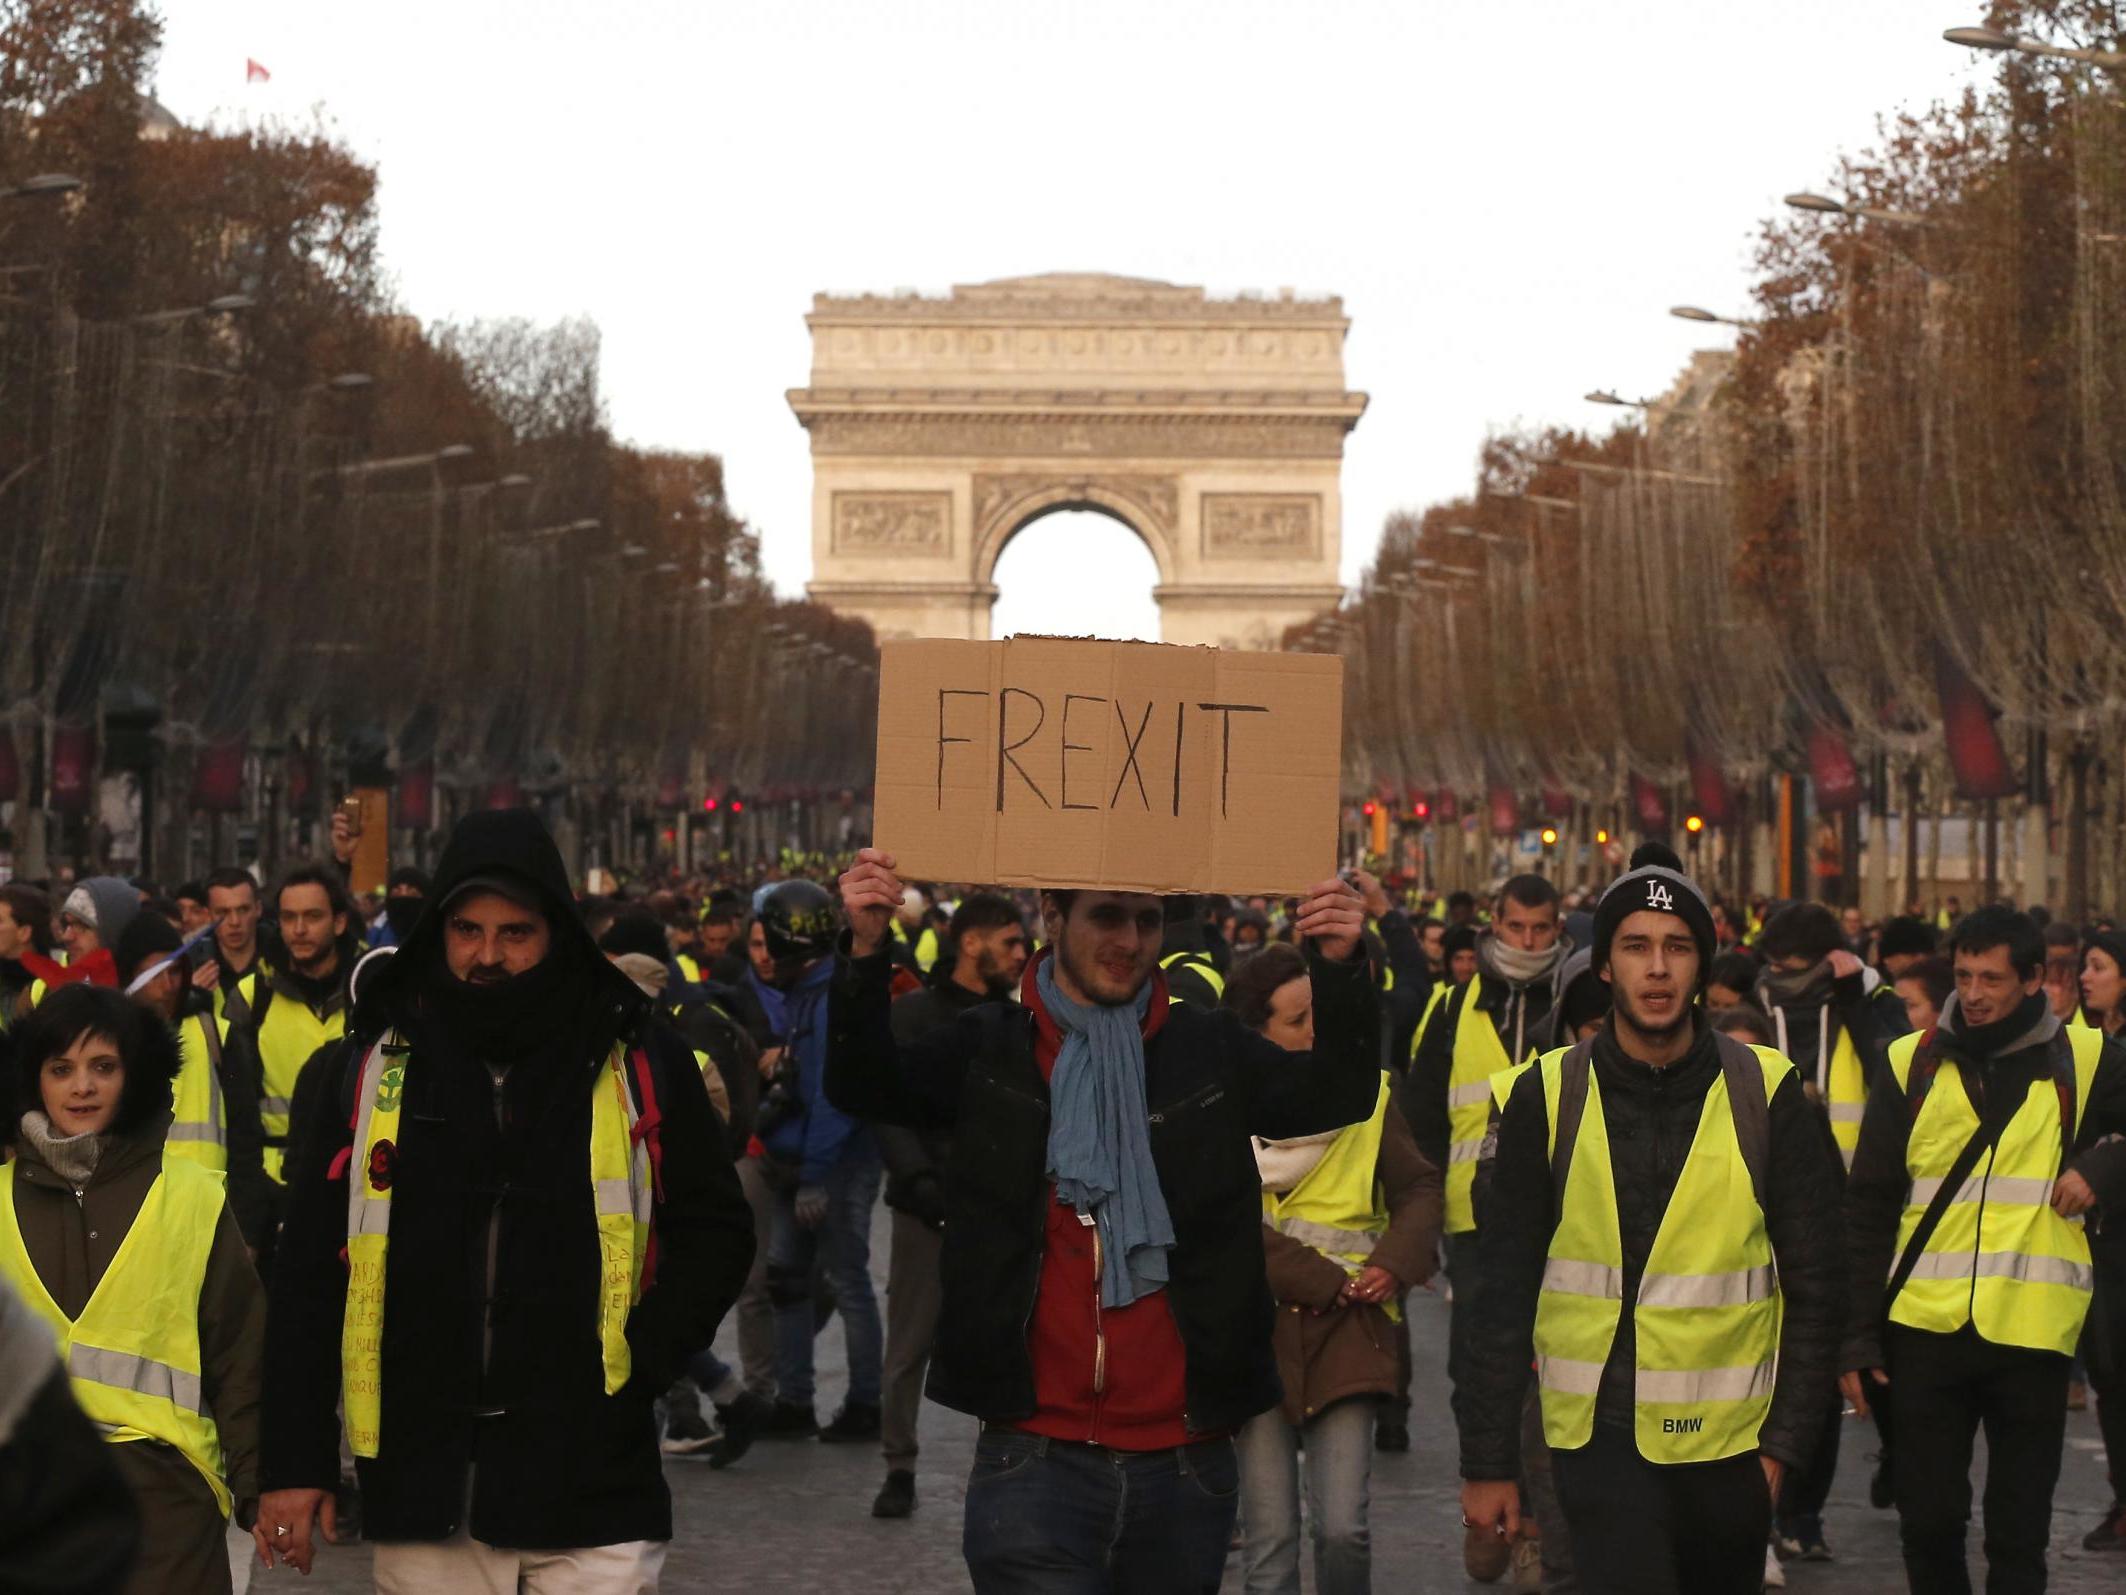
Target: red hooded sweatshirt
(1108,1376)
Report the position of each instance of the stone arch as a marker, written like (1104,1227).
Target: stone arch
(1213,428)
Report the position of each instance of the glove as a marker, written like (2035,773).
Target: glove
(811,1206)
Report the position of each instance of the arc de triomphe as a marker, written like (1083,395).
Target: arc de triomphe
(1214,428)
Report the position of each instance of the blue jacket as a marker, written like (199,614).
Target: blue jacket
(821,1136)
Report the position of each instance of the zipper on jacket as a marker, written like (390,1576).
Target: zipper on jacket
(494,1244)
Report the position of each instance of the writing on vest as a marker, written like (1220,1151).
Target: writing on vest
(622,1194)
(1337,1208)
(1706,1318)
(2000,1259)
(133,1355)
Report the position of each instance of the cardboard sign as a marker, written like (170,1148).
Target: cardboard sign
(1050,761)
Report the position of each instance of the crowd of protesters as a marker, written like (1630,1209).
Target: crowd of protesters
(270,1101)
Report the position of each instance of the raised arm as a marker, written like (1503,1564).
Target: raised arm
(1335,1084)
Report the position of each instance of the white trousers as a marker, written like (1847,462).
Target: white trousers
(463,1564)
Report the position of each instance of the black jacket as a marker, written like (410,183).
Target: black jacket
(491,1354)
(1409,986)
(1877,1187)
(1209,1083)
(916,1159)
(1651,1116)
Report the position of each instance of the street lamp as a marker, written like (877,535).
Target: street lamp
(45,184)
(1874,213)
(224,305)
(1696,313)
(2024,44)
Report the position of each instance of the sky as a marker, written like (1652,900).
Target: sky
(1506,195)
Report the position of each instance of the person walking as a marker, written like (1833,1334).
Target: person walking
(502,1242)
(1106,1313)
(2104,1336)
(823,1175)
(983,956)
(1976,1167)
(1351,1220)
(134,1262)
(1660,1244)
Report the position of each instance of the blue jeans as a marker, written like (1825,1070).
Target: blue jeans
(841,1245)
(1046,1517)
(1339,1444)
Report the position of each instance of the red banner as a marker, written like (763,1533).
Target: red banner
(1711,791)
(218,777)
(1505,807)
(417,796)
(1557,802)
(1976,756)
(1650,803)
(1832,772)
(73,769)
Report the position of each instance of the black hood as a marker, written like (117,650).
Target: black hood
(515,843)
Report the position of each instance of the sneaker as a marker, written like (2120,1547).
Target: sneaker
(897,1499)
(1485,1556)
(1882,1484)
(742,1421)
(858,1420)
(789,1421)
(1391,1434)
(1813,1548)
(1527,1565)
(1774,1574)
(686,1434)
(2109,1535)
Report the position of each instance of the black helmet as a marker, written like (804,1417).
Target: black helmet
(798,921)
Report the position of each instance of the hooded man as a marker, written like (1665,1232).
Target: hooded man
(1659,1243)
(543,1224)
(91,919)
(1105,1310)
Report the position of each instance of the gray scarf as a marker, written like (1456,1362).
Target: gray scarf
(72,1157)
(1099,1144)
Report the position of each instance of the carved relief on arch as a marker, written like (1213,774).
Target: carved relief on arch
(1004,501)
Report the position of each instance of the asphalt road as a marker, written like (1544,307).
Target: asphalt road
(796,1516)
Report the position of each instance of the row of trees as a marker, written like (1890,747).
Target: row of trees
(266,535)
(1877,552)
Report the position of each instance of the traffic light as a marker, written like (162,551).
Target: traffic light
(1421,810)
(738,805)
(708,804)
(1369,808)
(1550,836)
(1602,838)
(1694,823)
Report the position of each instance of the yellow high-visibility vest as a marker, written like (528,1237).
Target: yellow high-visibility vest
(2000,1259)
(199,1118)
(1197,964)
(1337,1209)
(1840,1076)
(133,1355)
(689,969)
(621,1190)
(924,947)
(246,994)
(287,1036)
(1440,989)
(1707,1317)
(1478,1055)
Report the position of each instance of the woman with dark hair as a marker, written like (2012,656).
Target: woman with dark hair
(137,1266)
(1351,1219)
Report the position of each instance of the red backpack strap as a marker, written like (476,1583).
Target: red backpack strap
(649,1122)
(1919,1078)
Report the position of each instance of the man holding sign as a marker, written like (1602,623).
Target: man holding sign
(1105,1311)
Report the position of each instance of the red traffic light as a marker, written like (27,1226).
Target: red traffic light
(738,805)
(1369,808)
(708,805)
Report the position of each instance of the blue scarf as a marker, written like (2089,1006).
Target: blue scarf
(1099,1144)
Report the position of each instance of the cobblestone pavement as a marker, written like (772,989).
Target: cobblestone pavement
(797,1516)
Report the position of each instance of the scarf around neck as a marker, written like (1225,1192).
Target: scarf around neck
(1099,1142)
(72,1157)
(1516,968)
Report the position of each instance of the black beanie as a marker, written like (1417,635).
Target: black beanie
(1655,881)
(145,939)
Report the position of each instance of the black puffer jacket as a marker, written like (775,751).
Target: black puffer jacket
(491,1358)
(1651,1116)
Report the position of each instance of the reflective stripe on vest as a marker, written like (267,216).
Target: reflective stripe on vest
(290,1032)
(2000,1259)
(199,1119)
(1706,1321)
(1839,1076)
(1337,1207)
(621,1192)
(1478,1055)
(1199,965)
(133,1355)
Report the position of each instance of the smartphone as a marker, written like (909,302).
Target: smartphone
(351,812)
